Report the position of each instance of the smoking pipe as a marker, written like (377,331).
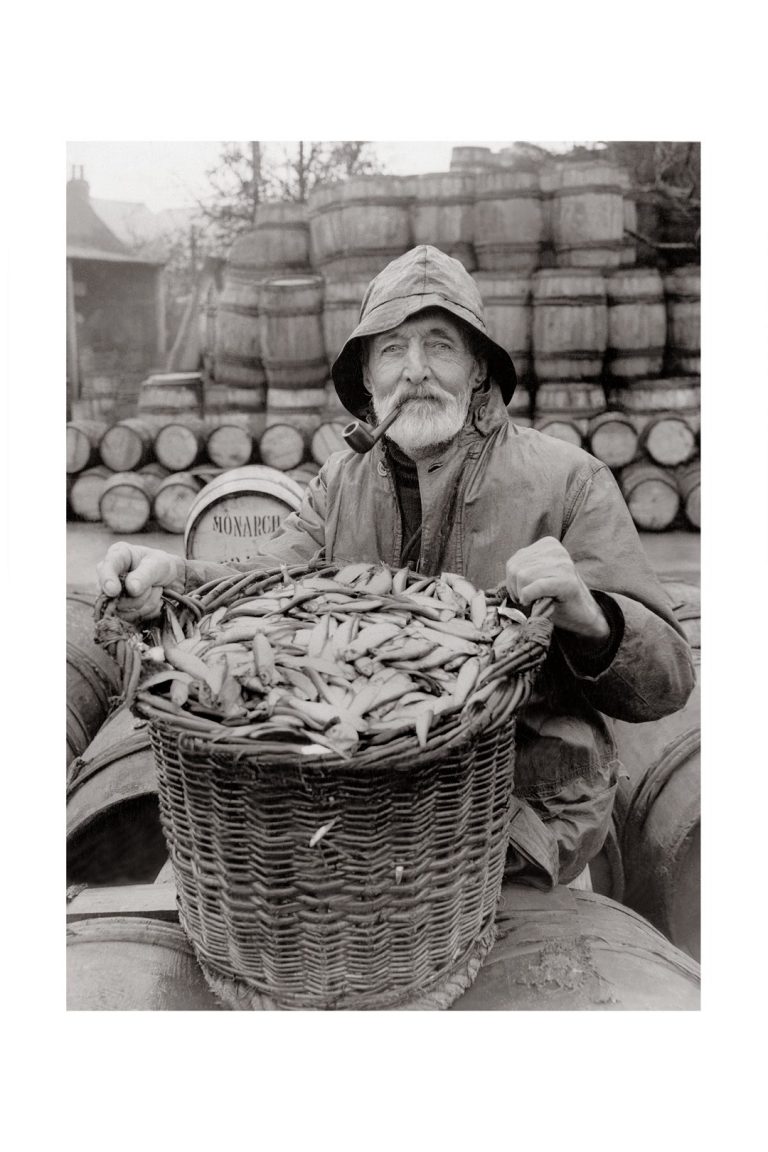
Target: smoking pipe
(360,437)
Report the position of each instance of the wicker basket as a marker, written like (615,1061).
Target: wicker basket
(392,906)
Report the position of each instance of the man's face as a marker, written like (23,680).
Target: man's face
(426,364)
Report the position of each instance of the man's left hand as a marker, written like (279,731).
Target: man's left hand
(546,569)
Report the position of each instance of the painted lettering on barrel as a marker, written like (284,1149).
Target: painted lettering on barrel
(234,525)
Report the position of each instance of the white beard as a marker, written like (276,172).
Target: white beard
(424,425)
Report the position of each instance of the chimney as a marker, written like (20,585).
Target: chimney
(78,186)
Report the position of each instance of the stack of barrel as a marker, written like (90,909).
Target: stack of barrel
(155,470)
(607,350)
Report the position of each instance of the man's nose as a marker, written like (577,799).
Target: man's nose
(416,367)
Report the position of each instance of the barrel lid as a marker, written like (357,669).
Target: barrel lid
(239,481)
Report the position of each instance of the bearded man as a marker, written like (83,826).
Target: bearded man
(456,486)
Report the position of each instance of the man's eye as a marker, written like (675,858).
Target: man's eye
(441,345)
(390,348)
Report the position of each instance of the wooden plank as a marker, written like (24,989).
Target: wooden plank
(72,350)
(160,290)
(157,901)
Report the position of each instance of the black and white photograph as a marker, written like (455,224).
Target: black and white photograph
(409,464)
(383,576)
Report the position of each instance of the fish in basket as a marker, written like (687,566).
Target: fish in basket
(335,759)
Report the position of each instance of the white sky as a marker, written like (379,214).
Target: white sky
(171,174)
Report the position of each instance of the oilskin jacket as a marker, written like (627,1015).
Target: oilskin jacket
(497,488)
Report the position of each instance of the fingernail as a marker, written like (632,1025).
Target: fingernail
(133,585)
(111,587)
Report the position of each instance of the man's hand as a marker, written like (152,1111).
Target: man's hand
(143,573)
(546,569)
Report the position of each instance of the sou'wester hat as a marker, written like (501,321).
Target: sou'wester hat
(422,278)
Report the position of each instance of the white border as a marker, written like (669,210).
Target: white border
(395,72)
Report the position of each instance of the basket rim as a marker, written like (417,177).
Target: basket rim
(501,690)
(381,757)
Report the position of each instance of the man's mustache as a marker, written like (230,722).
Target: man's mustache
(402,398)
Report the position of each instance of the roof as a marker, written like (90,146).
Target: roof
(89,238)
(78,252)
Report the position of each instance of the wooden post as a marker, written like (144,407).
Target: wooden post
(160,312)
(73,364)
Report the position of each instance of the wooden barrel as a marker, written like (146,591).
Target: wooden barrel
(588,215)
(235,514)
(520,406)
(237,342)
(669,440)
(294,350)
(683,289)
(153,474)
(643,400)
(357,226)
(180,444)
(282,446)
(304,473)
(549,179)
(472,158)
(509,314)
(651,495)
(613,439)
(230,444)
(341,312)
(244,406)
(86,491)
(565,410)
(637,323)
(114,834)
(578,400)
(326,440)
(569,950)
(508,220)
(442,214)
(168,395)
(658,813)
(133,963)
(237,346)
(83,438)
(629,243)
(173,500)
(125,505)
(570,324)
(562,428)
(334,410)
(689,486)
(686,604)
(277,244)
(606,869)
(126,445)
(93,677)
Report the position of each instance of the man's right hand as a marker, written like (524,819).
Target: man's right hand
(137,575)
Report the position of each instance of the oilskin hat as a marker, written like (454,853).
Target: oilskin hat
(422,278)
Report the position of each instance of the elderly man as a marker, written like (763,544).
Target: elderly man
(456,486)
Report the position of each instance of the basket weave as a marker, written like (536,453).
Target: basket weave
(393,907)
